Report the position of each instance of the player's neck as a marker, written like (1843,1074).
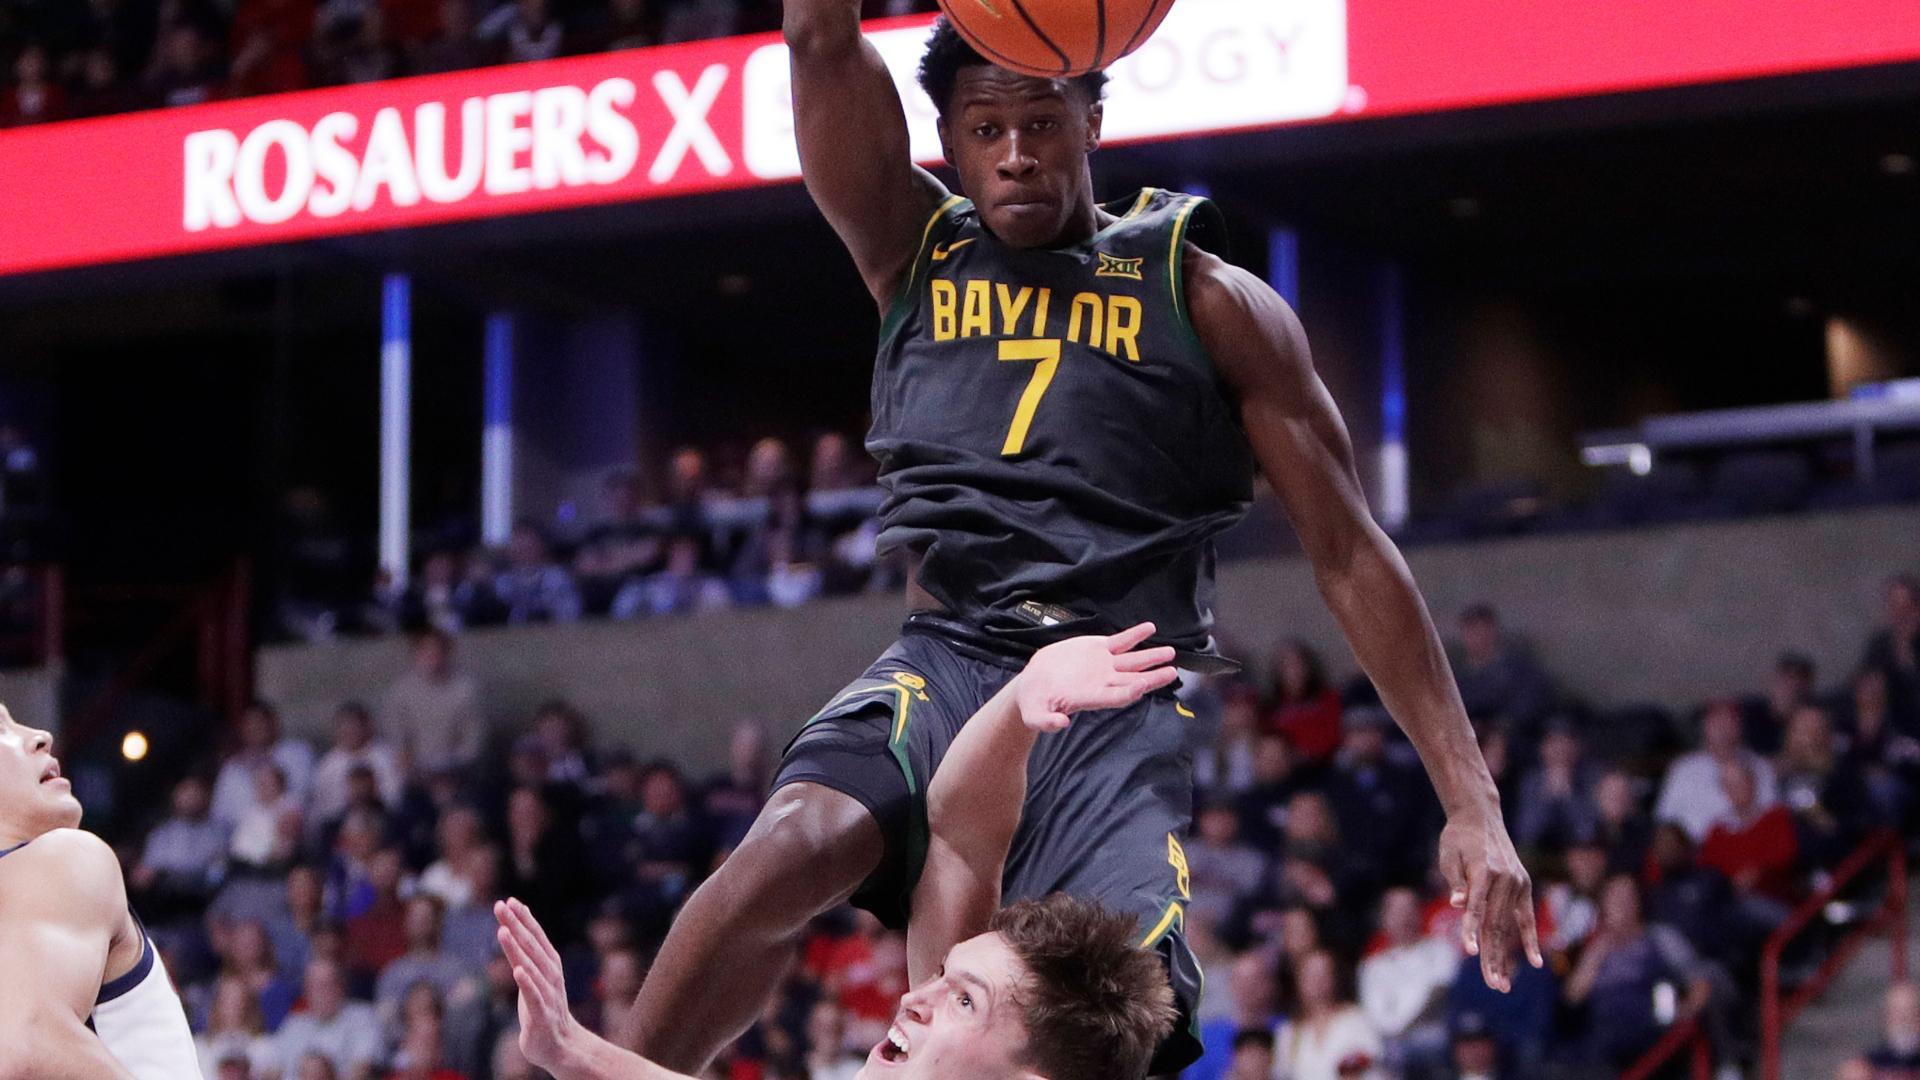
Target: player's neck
(13,836)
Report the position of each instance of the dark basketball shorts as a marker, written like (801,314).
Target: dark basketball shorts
(1108,800)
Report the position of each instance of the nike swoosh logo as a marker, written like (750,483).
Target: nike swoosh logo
(941,251)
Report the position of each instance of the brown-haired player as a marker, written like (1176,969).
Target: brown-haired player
(1050,989)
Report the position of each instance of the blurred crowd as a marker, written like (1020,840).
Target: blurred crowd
(326,910)
(773,533)
(76,58)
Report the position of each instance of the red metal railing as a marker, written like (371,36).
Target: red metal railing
(1776,1011)
(1687,1036)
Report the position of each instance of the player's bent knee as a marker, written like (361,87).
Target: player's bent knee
(811,844)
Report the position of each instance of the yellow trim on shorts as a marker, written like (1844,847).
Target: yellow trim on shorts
(1175,913)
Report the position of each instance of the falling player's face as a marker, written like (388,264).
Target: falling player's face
(34,797)
(964,1022)
(1020,145)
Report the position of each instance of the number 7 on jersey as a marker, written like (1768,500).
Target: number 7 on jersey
(1047,352)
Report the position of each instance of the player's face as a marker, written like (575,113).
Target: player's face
(34,797)
(1021,145)
(963,1023)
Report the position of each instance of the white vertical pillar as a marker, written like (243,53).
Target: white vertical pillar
(396,424)
(496,433)
(1393,400)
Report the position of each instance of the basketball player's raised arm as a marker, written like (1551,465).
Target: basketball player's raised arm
(61,902)
(550,1037)
(973,804)
(855,153)
(1302,445)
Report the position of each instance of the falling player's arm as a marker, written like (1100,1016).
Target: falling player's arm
(974,802)
(61,903)
(550,1037)
(1257,344)
(855,153)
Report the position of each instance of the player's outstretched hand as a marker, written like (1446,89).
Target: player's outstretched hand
(1091,673)
(1488,880)
(547,1027)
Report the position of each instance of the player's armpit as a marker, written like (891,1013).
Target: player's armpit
(64,902)
(855,152)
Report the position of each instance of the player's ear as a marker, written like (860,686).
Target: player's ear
(1096,115)
(946,140)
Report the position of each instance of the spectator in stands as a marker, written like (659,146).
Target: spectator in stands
(1305,709)
(681,588)
(34,98)
(354,746)
(266,839)
(1404,983)
(544,864)
(1755,848)
(184,859)
(260,744)
(1691,898)
(534,588)
(1326,1034)
(669,850)
(432,712)
(1898,1055)
(1223,765)
(101,90)
(458,834)
(1632,980)
(1692,796)
(1556,797)
(454,47)
(1253,1055)
(1888,760)
(235,1031)
(1499,680)
(1381,804)
(425,961)
(302,914)
(1319,872)
(246,956)
(1788,691)
(1473,1052)
(440,598)
(733,799)
(377,929)
(1573,902)
(608,1012)
(467,934)
(1831,807)
(345,1033)
(563,734)
(1263,807)
(1624,829)
(1895,649)
(1222,868)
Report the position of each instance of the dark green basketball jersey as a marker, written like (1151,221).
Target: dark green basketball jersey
(1054,440)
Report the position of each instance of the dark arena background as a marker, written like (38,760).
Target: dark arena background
(326,324)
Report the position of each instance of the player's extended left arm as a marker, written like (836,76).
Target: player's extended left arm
(1302,446)
(974,801)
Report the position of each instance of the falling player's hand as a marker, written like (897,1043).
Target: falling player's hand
(1488,880)
(547,1027)
(1091,673)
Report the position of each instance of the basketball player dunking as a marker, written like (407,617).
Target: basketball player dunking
(83,994)
(1069,403)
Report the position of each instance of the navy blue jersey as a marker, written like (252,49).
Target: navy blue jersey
(1055,442)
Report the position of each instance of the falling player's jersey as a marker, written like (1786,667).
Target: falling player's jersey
(1055,443)
(139,1018)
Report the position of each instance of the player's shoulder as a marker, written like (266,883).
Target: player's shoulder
(66,863)
(1219,291)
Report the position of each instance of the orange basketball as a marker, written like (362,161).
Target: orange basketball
(1055,37)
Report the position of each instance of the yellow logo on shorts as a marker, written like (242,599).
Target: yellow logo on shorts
(1177,858)
(912,682)
(1112,266)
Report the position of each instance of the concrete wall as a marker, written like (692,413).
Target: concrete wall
(1670,616)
